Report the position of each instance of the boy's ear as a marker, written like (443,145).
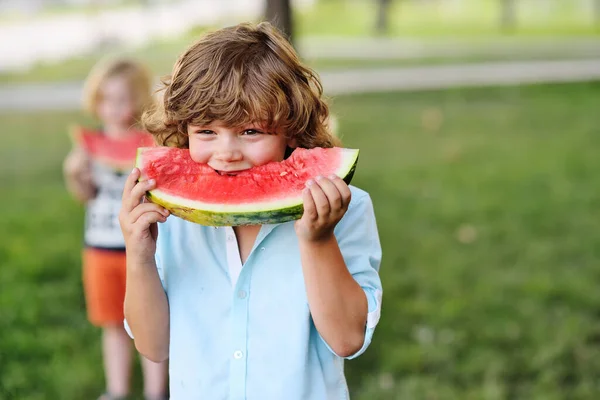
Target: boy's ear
(292,142)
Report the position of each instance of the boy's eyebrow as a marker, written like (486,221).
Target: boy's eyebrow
(260,125)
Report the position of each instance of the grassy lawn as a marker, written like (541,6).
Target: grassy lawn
(446,18)
(487,202)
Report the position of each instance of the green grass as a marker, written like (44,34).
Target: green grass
(471,18)
(487,203)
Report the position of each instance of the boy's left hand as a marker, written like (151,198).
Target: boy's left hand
(325,203)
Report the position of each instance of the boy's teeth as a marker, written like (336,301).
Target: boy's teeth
(226,173)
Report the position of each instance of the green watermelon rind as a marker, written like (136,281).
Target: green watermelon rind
(275,212)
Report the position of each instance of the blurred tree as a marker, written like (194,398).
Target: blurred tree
(382,22)
(508,14)
(279,13)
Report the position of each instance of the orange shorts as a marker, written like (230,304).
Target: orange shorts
(104,273)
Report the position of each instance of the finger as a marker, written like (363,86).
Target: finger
(146,220)
(130,183)
(137,193)
(310,210)
(344,190)
(331,191)
(144,208)
(320,199)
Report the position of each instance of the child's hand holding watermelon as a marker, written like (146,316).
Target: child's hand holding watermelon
(78,175)
(144,295)
(325,203)
(138,219)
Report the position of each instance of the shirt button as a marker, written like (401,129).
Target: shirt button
(262,249)
(242,294)
(230,238)
(238,354)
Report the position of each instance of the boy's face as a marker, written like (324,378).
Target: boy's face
(116,106)
(229,150)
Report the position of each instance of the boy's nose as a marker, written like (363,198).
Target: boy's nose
(229,155)
(228,151)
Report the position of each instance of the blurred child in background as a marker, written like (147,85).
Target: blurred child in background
(115,93)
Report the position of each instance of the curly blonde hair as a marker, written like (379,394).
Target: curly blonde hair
(138,78)
(241,75)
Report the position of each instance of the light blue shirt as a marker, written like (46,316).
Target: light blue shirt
(246,332)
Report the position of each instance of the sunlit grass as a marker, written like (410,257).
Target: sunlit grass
(446,18)
(487,204)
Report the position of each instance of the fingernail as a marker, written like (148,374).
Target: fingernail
(151,182)
(310,182)
(318,178)
(332,176)
(133,171)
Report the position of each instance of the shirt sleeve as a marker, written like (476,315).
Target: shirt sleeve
(358,240)
(161,275)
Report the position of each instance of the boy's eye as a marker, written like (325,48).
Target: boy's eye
(205,132)
(251,132)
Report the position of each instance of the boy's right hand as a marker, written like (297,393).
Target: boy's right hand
(138,219)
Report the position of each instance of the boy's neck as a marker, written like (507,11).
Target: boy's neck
(246,236)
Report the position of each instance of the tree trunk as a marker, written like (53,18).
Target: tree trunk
(279,13)
(508,15)
(382,22)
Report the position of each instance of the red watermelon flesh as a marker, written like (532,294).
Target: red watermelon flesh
(118,153)
(268,193)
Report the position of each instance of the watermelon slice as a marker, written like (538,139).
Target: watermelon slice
(268,194)
(118,154)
